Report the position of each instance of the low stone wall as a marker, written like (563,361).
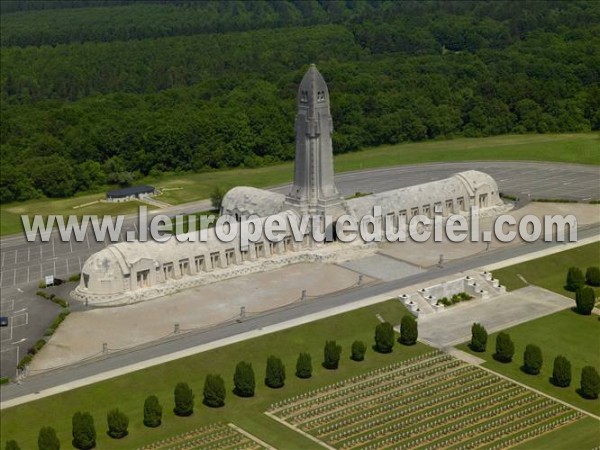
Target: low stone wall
(425,300)
(332,253)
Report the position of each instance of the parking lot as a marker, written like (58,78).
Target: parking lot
(28,318)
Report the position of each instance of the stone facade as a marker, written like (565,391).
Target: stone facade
(129,272)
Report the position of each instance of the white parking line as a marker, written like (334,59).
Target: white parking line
(3,255)
(28,274)
(16,254)
(23,316)
(28,253)
(15,277)
(7,309)
(11,332)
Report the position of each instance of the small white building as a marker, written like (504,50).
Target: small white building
(130,193)
(128,272)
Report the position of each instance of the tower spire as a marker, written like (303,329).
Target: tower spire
(314,190)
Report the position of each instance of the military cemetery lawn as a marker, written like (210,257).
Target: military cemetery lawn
(431,401)
(568,148)
(550,272)
(564,333)
(215,436)
(582,434)
(129,391)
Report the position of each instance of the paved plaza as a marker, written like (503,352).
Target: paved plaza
(428,254)
(382,267)
(128,326)
(453,325)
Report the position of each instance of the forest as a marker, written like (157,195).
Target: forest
(106,92)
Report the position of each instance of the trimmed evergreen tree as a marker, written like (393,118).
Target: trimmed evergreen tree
(592,276)
(304,366)
(561,373)
(384,337)
(12,445)
(590,383)
(358,351)
(532,359)
(331,355)
(505,348)
(47,439)
(585,300)
(184,400)
(479,338)
(84,432)
(152,412)
(575,279)
(244,380)
(214,391)
(275,375)
(409,331)
(117,424)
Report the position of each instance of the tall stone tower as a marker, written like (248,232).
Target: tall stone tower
(314,190)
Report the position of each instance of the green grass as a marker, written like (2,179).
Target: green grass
(128,392)
(550,272)
(580,435)
(568,148)
(564,333)
(11,213)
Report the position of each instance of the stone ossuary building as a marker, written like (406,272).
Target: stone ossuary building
(128,272)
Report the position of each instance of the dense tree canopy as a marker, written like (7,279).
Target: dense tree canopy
(112,91)
(244,379)
(47,439)
(152,412)
(561,373)
(409,331)
(384,337)
(479,338)
(184,400)
(505,348)
(214,391)
(304,365)
(84,431)
(275,373)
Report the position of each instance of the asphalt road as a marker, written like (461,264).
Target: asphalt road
(23,262)
(50,379)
